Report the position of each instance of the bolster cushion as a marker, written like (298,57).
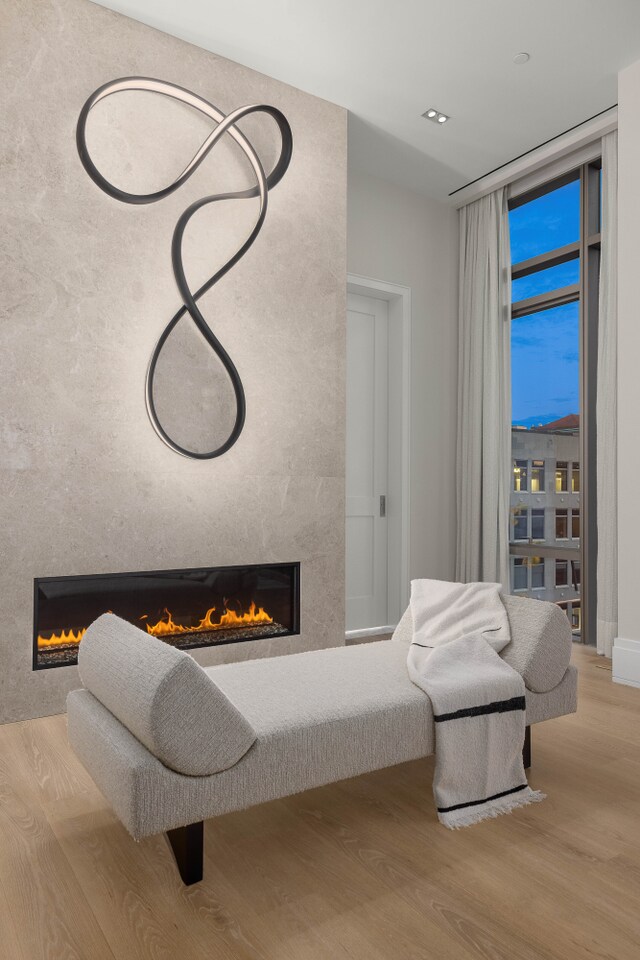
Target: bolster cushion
(403,633)
(540,647)
(163,697)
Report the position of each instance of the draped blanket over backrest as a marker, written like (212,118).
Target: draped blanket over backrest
(478,700)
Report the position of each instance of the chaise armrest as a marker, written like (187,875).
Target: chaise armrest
(163,697)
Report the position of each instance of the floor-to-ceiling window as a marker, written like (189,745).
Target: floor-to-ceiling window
(555,246)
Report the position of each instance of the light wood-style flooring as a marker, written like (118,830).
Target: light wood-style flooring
(358,870)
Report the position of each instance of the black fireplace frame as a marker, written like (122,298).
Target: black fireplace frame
(294,567)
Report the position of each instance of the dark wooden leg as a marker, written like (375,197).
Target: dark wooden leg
(526,750)
(187,844)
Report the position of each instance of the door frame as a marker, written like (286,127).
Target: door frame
(398,541)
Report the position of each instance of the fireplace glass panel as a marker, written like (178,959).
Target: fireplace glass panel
(202,607)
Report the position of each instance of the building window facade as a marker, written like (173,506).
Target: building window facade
(562,523)
(527,574)
(575,524)
(537,476)
(575,478)
(537,524)
(575,618)
(519,574)
(521,524)
(520,476)
(562,573)
(537,573)
(562,477)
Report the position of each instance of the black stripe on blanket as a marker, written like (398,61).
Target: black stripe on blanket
(498,706)
(476,803)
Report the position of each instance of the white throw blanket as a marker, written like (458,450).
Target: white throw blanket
(478,700)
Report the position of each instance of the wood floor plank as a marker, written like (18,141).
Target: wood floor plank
(44,902)
(359,870)
(296,887)
(46,753)
(158,917)
(12,940)
(391,857)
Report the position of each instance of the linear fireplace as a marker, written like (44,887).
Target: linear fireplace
(202,607)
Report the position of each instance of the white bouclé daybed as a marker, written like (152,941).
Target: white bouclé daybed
(171,744)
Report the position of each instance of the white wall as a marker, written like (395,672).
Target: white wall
(399,236)
(626,655)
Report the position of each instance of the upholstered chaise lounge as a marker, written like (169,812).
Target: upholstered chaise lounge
(170,744)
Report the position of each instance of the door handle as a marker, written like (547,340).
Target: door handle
(383,505)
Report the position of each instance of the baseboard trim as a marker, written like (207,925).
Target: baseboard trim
(369,632)
(625,662)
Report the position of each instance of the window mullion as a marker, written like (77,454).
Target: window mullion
(545,260)
(544,301)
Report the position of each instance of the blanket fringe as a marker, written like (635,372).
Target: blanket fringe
(489,811)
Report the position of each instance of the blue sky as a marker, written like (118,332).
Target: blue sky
(544,346)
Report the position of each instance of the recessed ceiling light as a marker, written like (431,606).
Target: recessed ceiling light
(521,58)
(435,115)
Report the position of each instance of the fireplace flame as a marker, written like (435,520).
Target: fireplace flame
(62,639)
(166,626)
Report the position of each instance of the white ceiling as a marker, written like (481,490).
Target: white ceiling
(388,60)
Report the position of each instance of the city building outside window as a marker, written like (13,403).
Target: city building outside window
(574,614)
(562,573)
(521,523)
(537,573)
(576,620)
(537,476)
(520,573)
(562,524)
(562,477)
(527,573)
(575,478)
(575,575)
(575,524)
(537,524)
(520,476)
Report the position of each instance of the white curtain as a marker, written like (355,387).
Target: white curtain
(607,407)
(484,392)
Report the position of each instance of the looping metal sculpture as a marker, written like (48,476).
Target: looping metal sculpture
(224,124)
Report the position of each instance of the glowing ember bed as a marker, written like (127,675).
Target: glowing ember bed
(186,608)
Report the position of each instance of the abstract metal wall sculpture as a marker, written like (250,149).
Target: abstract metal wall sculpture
(224,124)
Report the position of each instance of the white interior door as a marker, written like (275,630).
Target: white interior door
(367,461)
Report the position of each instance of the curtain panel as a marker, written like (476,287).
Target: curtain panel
(607,406)
(484,392)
